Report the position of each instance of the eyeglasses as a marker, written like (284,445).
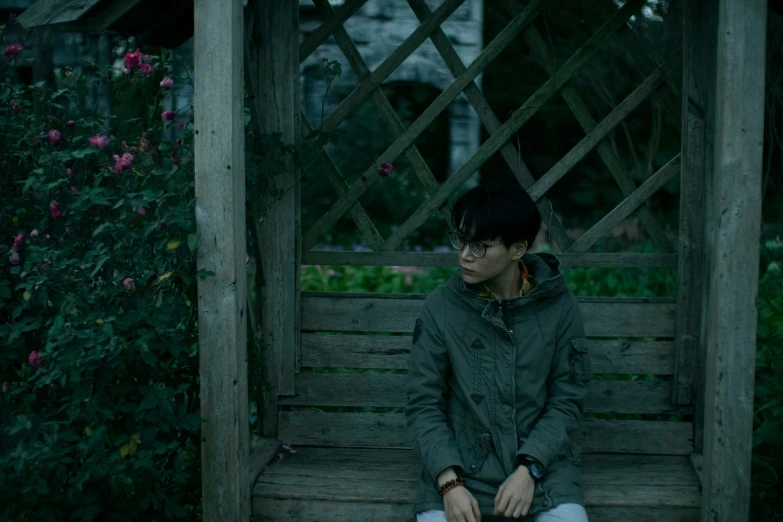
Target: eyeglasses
(477,248)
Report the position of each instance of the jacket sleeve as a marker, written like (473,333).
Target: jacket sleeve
(425,412)
(566,390)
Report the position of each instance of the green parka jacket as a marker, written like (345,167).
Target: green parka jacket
(492,380)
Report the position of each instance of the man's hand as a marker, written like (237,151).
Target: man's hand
(515,495)
(461,506)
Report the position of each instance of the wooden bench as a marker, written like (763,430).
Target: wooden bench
(356,464)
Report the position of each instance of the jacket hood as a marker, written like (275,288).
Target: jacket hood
(544,272)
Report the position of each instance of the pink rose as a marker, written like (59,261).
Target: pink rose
(12,17)
(6,387)
(386,170)
(409,280)
(175,157)
(100,142)
(146,69)
(128,283)
(34,233)
(133,59)
(14,257)
(13,49)
(71,123)
(167,116)
(69,172)
(123,162)
(142,211)
(55,137)
(167,82)
(18,240)
(74,189)
(125,71)
(16,106)
(35,360)
(54,211)
(144,144)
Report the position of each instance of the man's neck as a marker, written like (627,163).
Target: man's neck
(507,284)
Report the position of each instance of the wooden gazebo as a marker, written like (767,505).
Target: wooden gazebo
(355,465)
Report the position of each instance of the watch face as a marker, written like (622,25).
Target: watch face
(535,470)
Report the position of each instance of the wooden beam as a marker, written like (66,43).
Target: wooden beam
(628,205)
(700,20)
(328,28)
(220,219)
(736,217)
(599,132)
(262,451)
(50,12)
(272,47)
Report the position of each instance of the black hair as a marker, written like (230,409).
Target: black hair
(498,211)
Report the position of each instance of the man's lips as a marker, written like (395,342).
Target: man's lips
(466,269)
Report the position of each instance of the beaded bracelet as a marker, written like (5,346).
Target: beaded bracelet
(451,484)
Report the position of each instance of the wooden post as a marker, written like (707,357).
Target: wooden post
(700,26)
(736,216)
(273,48)
(220,217)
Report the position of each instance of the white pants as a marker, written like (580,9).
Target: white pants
(561,513)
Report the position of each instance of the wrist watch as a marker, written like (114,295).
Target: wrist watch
(536,469)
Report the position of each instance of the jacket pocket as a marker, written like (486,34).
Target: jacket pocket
(581,367)
(473,448)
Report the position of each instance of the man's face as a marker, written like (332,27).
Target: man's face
(496,260)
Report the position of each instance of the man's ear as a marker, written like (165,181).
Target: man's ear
(520,247)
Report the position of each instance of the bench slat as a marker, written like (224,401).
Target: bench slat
(390,430)
(388,390)
(393,351)
(616,318)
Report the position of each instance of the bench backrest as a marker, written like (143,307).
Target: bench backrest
(332,407)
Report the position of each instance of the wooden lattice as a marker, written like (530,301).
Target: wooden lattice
(558,83)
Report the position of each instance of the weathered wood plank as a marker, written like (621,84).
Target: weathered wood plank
(262,451)
(220,220)
(328,28)
(105,14)
(698,112)
(388,390)
(392,352)
(371,176)
(628,205)
(487,117)
(390,430)
(608,319)
(697,461)
(568,260)
(629,485)
(518,118)
(303,510)
(402,464)
(49,12)
(275,79)
(599,132)
(736,217)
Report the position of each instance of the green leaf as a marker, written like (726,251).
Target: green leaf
(159,300)
(192,242)
(99,265)
(98,199)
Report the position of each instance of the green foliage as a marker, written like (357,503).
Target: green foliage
(767,501)
(99,415)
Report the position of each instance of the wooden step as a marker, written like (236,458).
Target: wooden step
(364,484)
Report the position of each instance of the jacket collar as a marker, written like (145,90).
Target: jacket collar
(545,275)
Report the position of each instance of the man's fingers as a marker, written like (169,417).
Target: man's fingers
(525,508)
(476,512)
(519,511)
(514,501)
(469,516)
(502,503)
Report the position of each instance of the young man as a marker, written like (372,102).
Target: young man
(498,374)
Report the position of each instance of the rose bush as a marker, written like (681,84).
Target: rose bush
(99,411)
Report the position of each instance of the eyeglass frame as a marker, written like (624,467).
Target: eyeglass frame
(460,236)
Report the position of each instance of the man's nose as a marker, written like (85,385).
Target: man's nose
(465,254)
